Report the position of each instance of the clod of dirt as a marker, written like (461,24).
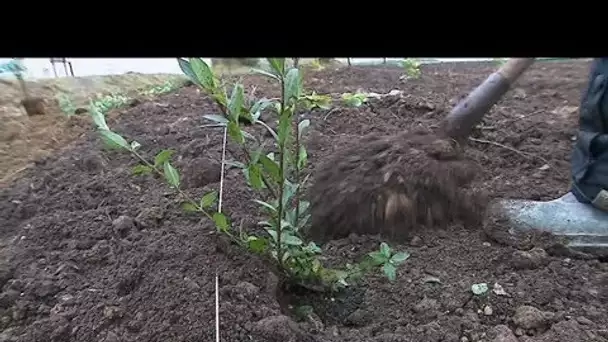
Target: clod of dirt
(45,288)
(427,307)
(391,184)
(358,318)
(123,225)
(150,217)
(502,333)
(8,298)
(569,331)
(529,317)
(279,329)
(80,110)
(242,291)
(535,258)
(200,172)
(90,162)
(6,273)
(34,106)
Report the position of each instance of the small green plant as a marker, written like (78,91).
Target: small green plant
(500,61)
(66,104)
(276,177)
(388,261)
(160,89)
(316,65)
(104,104)
(354,100)
(411,68)
(315,100)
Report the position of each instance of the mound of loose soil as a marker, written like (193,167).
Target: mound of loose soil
(91,253)
(392,185)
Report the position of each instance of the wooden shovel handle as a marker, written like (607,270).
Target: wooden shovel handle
(469,112)
(514,68)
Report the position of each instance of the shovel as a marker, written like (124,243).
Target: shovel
(389,184)
(584,226)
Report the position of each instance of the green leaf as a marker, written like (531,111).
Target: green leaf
(216,118)
(236,102)
(385,250)
(256,244)
(162,157)
(98,118)
(255,176)
(273,234)
(203,73)
(390,271)
(277,64)
(142,169)
(289,190)
(187,70)
(221,222)
(303,128)
(209,199)
(313,248)
(189,207)
(284,127)
(479,289)
(235,132)
(398,258)
(265,73)
(171,175)
(114,140)
(304,205)
(266,205)
(291,240)
(256,110)
(271,167)
(302,157)
(378,258)
(293,84)
(236,164)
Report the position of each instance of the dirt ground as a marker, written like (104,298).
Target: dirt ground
(91,253)
(24,139)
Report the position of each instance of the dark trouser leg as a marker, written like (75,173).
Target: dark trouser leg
(590,155)
(582,214)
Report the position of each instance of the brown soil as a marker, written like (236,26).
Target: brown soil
(35,128)
(91,253)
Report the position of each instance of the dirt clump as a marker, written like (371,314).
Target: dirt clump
(392,185)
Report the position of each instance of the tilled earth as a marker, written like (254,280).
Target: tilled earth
(91,253)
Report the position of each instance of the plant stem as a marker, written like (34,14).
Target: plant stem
(281,175)
(297,170)
(246,153)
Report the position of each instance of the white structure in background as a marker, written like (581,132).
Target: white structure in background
(42,68)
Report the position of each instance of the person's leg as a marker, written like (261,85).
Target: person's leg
(581,214)
(590,156)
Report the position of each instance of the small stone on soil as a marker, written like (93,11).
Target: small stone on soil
(529,317)
(533,259)
(123,225)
